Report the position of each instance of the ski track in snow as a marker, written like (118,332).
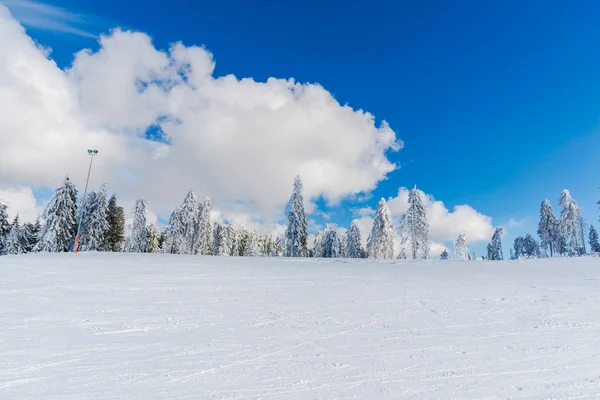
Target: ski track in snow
(150,326)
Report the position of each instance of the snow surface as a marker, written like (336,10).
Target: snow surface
(127,326)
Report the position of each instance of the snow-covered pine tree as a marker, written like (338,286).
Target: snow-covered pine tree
(4,224)
(569,222)
(138,239)
(354,247)
(380,243)
(221,241)
(205,229)
(331,244)
(512,254)
(60,226)
(231,235)
(548,228)
(30,233)
(296,234)
(520,249)
(252,248)
(594,243)
(494,248)
(152,239)
(582,227)
(461,249)
(266,244)
(444,255)
(189,217)
(278,246)
(531,247)
(14,242)
(414,228)
(86,209)
(317,249)
(115,236)
(96,222)
(174,234)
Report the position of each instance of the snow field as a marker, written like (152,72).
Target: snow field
(153,326)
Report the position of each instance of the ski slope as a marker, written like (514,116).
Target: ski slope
(151,326)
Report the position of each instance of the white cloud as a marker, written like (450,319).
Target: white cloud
(513,223)
(236,140)
(445,224)
(20,201)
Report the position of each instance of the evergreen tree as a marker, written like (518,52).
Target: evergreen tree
(278,247)
(495,246)
(414,228)
(444,255)
(569,222)
(354,247)
(380,243)
(30,235)
(548,228)
(531,247)
(252,246)
(520,249)
(582,227)
(332,246)
(265,244)
(296,234)
(205,229)
(4,224)
(317,250)
(138,239)
(221,240)
(60,226)
(162,240)
(14,242)
(96,222)
(594,243)
(189,217)
(232,242)
(115,236)
(174,234)
(461,249)
(152,239)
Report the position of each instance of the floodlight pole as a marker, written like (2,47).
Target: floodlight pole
(92,153)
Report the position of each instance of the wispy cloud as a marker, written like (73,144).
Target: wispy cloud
(39,15)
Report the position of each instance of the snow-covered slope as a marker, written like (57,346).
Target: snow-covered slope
(107,326)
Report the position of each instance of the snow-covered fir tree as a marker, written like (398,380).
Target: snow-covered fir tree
(138,239)
(444,255)
(414,228)
(30,234)
(582,228)
(494,248)
(14,242)
(354,247)
(174,234)
(317,250)
(548,229)
(115,236)
(332,245)
(60,226)
(593,237)
(231,235)
(96,224)
(531,247)
(266,245)
(252,247)
(278,246)
(461,249)
(380,243)
(152,239)
(189,218)
(569,222)
(205,228)
(4,224)
(296,234)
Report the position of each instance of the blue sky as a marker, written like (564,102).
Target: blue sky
(497,103)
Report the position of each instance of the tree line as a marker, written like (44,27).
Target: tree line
(191,231)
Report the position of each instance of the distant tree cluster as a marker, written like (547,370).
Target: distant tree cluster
(191,231)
